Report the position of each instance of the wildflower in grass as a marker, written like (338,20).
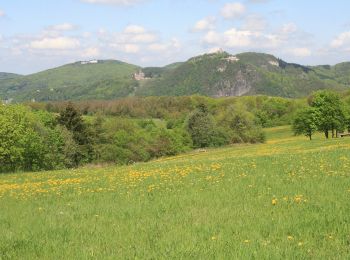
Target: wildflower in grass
(290,238)
(214,238)
(246,241)
(274,201)
(300,243)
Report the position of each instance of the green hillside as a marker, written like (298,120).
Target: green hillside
(217,74)
(286,199)
(104,80)
(4,75)
(222,74)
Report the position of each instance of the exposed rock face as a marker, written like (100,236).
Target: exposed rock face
(238,86)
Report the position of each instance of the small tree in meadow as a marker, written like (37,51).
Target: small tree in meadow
(201,127)
(306,122)
(331,109)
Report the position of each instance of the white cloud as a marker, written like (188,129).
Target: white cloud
(258,1)
(113,2)
(91,52)
(205,24)
(289,28)
(233,10)
(58,43)
(135,34)
(171,46)
(156,47)
(62,27)
(134,29)
(300,52)
(131,48)
(2,13)
(342,40)
(254,22)
(237,38)
(242,39)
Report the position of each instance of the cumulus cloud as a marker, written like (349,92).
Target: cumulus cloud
(136,34)
(113,2)
(205,24)
(258,1)
(91,53)
(58,43)
(173,45)
(342,40)
(254,22)
(300,52)
(233,10)
(236,38)
(134,29)
(62,27)
(289,28)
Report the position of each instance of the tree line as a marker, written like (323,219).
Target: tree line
(33,140)
(326,112)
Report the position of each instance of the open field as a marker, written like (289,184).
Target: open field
(286,199)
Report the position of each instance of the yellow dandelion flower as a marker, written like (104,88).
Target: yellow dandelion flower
(274,202)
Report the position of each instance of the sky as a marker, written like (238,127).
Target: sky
(40,34)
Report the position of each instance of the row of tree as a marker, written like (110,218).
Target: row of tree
(32,140)
(326,112)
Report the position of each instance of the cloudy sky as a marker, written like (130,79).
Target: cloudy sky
(41,34)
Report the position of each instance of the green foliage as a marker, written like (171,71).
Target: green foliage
(216,75)
(71,119)
(29,141)
(105,80)
(331,109)
(306,122)
(202,128)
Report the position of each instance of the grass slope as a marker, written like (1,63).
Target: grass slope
(106,80)
(215,204)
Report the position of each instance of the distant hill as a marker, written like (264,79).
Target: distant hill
(221,74)
(102,80)
(5,75)
(217,74)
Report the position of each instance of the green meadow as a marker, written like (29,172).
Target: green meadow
(286,199)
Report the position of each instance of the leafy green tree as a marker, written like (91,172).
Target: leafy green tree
(242,124)
(331,109)
(306,122)
(73,121)
(201,127)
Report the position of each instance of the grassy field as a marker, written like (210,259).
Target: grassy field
(286,199)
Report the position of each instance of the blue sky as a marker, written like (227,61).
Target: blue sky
(41,34)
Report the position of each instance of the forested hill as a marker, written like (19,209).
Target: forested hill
(216,75)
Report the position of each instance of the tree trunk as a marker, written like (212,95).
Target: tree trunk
(310,137)
(332,132)
(326,134)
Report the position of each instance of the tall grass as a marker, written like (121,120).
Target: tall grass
(286,199)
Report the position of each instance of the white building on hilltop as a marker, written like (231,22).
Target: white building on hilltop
(89,62)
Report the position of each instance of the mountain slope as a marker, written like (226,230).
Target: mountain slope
(221,74)
(217,74)
(102,80)
(5,75)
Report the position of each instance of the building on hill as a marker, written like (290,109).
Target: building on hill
(140,75)
(89,62)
